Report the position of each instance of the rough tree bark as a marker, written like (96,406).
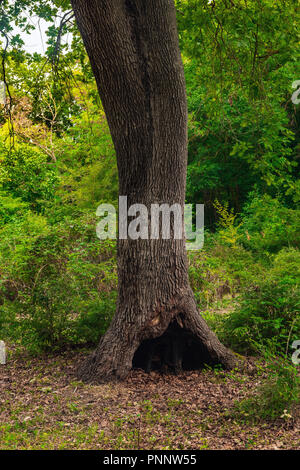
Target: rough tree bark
(134,52)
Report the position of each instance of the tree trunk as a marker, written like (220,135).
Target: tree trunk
(134,52)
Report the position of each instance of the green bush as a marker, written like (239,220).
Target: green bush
(58,284)
(277,393)
(10,207)
(269,310)
(27,175)
(218,271)
(268,225)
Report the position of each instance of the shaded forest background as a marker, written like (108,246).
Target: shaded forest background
(57,280)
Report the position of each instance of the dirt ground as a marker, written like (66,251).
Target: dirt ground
(43,406)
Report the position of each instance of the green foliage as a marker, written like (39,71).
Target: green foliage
(58,284)
(277,394)
(27,176)
(269,224)
(10,207)
(210,278)
(243,130)
(218,271)
(269,310)
(87,162)
(228,229)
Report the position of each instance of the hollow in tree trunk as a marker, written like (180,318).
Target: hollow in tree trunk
(134,52)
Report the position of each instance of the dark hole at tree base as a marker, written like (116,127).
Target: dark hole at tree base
(176,350)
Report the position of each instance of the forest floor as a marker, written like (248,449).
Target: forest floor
(43,406)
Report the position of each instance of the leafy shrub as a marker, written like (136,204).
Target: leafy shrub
(87,162)
(26,174)
(10,207)
(228,230)
(269,310)
(209,278)
(269,225)
(219,271)
(63,281)
(276,395)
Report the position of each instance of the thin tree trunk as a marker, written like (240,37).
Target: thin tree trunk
(135,57)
